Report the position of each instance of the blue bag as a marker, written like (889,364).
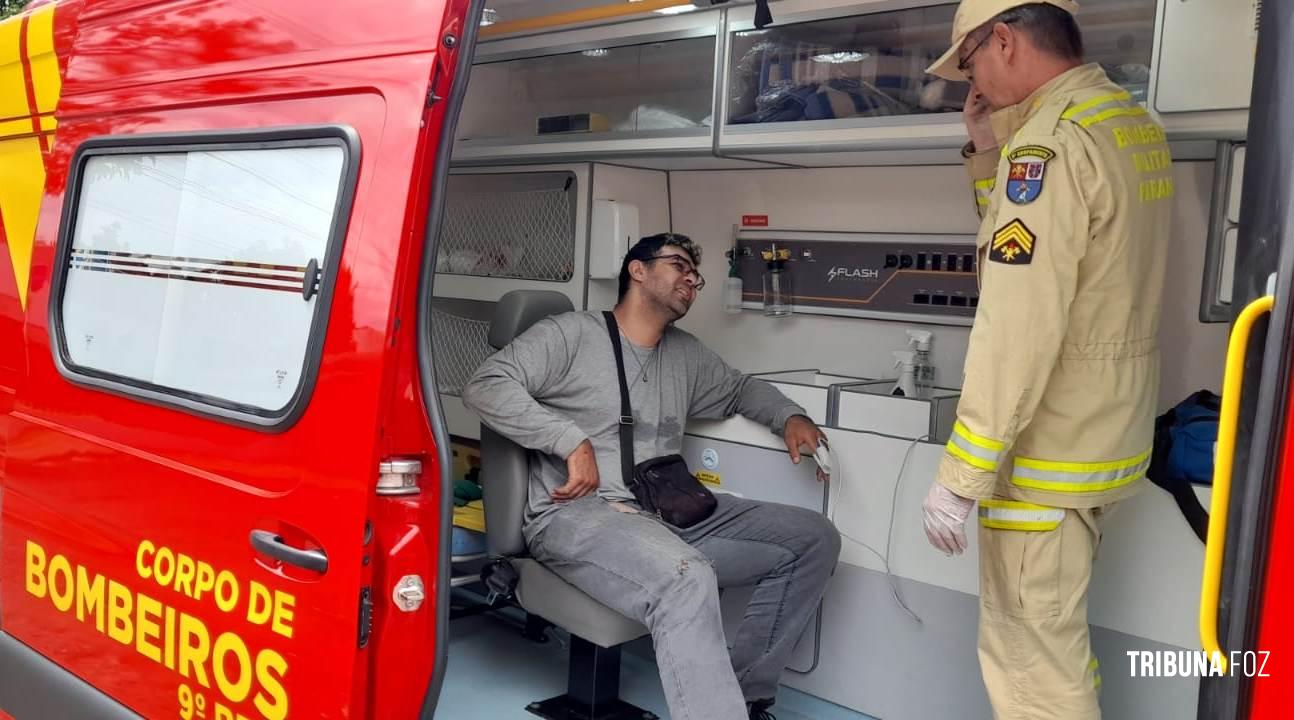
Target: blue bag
(1185,438)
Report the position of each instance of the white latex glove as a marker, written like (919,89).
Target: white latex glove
(945,519)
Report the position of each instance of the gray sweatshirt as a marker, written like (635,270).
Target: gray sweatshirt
(555,386)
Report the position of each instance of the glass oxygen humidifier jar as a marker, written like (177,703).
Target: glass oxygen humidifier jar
(777,283)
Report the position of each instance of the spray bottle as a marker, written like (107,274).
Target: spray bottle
(905,361)
(919,340)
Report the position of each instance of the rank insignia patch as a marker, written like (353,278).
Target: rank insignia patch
(1024,179)
(1013,244)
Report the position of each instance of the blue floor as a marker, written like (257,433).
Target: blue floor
(494,672)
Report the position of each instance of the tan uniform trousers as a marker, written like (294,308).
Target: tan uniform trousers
(1034,647)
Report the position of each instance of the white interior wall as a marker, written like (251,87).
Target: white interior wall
(705,204)
(646,189)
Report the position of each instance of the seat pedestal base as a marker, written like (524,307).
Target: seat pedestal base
(592,690)
(565,707)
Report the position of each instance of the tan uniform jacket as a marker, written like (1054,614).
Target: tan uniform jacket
(1062,372)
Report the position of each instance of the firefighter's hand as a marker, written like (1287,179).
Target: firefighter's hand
(802,435)
(581,474)
(976,114)
(945,519)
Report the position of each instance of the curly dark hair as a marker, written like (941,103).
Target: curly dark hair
(650,246)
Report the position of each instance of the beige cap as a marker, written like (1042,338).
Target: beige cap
(970,15)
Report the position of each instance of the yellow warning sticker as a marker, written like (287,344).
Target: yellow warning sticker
(708,478)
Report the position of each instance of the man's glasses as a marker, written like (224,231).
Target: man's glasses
(963,65)
(683,267)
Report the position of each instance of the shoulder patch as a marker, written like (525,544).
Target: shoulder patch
(1024,179)
(1013,244)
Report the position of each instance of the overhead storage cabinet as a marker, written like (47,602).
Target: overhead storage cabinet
(642,87)
(851,76)
(831,82)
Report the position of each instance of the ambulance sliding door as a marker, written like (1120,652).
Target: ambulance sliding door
(186,528)
(1247,592)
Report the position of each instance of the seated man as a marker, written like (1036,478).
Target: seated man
(554,390)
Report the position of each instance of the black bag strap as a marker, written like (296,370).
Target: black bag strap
(626,413)
(1192,510)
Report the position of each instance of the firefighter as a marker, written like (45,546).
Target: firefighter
(1072,180)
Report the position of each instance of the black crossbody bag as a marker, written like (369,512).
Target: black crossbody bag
(662,485)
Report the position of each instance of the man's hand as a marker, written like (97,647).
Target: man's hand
(801,432)
(581,474)
(945,519)
(976,114)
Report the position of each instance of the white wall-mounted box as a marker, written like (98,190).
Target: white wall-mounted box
(613,231)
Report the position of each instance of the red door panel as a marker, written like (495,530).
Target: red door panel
(1273,695)
(125,531)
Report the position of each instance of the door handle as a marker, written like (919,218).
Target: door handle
(1228,417)
(267,542)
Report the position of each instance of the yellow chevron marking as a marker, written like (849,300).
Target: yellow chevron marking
(23,129)
(1014,231)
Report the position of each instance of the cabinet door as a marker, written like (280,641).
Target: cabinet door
(1206,54)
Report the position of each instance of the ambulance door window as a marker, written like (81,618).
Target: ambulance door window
(199,275)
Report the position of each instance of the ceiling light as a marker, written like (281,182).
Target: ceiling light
(489,17)
(840,57)
(675,10)
(596,53)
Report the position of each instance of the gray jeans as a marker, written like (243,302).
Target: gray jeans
(668,578)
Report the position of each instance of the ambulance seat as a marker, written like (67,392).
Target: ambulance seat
(596,631)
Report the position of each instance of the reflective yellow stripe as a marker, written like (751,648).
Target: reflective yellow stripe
(989,465)
(1014,515)
(1014,505)
(1112,113)
(1093,102)
(1099,109)
(1071,477)
(976,450)
(984,190)
(1076,467)
(1095,668)
(980,440)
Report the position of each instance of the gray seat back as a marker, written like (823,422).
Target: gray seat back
(504,464)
